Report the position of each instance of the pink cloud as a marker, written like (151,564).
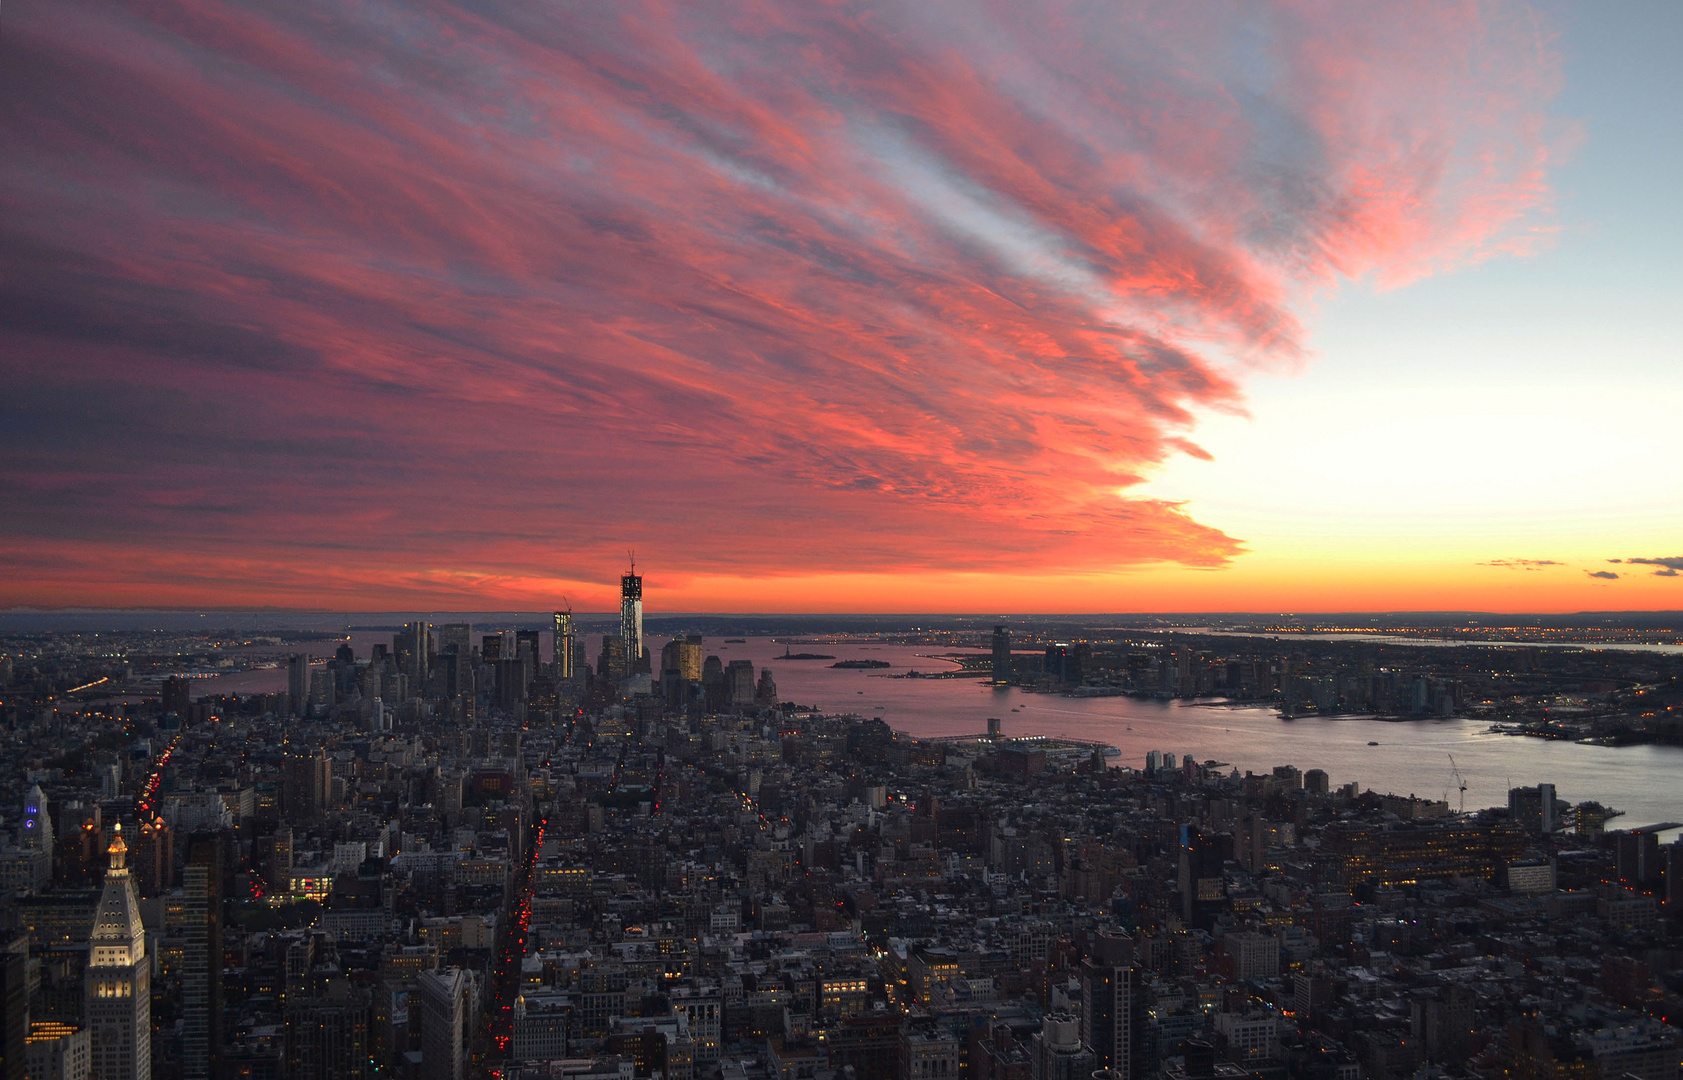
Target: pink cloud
(294,289)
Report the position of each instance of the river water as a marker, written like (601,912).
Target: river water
(1413,757)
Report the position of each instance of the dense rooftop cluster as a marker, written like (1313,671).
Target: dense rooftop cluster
(468,861)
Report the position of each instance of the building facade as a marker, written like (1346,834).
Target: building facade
(631,619)
(118,985)
(443,994)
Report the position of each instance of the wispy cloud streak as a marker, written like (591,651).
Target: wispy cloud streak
(431,291)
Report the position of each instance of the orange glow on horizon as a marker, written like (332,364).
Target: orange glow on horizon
(1258,582)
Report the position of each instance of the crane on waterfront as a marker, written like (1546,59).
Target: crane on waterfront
(1461,780)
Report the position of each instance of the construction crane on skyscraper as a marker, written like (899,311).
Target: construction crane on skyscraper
(1461,780)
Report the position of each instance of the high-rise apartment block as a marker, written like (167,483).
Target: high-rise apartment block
(1109,985)
(1533,808)
(309,778)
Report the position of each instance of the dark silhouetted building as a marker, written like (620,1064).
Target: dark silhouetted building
(14,999)
(309,776)
(1202,888)
(1001,655)
(1109,987)
(1407,854)
(443,999)
(298,683)
(201,958)
(327,1035)
(173,695)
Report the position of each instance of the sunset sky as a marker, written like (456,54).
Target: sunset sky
(899,306)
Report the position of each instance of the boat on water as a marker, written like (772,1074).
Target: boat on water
(1373,744)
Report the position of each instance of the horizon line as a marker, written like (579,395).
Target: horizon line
(1209,613)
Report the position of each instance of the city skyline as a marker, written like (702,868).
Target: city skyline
(422,850)
(856,540)
(906,308)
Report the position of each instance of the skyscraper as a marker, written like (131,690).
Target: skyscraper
(418,642)
(765,691)
(298,682)
(739,679)
(581,659)
(443,994)
(38,824)
(14,999)
(1202,890)
(672,683)
(455,652)
(682,656)
(1532,808)
(118,984)
(1001,655)
(327,1034)
(1057,662)
(713,683)
(309,778)
(527,642)
(514,673)
(201,966)
(1108,983)
(631,618)
(564,646)
(610,665)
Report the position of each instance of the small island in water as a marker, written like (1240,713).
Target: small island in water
(787,655)
(862,664)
